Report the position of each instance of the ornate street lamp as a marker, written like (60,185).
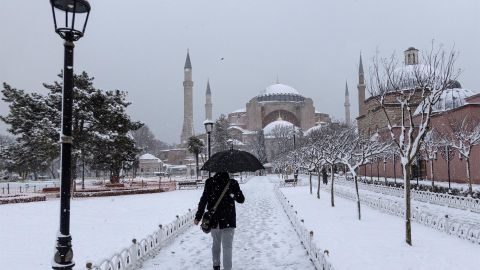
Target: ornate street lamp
(209,128)
(71,14)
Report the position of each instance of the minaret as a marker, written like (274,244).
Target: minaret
(347,105)
(187,130)
(361,89)
(208,102)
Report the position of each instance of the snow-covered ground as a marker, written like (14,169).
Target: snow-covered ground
(99,226)
(377,241)
(264,238)
(458,214)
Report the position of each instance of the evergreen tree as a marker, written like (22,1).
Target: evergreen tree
(220,134)
(100,126)
(146,141)
(35,126)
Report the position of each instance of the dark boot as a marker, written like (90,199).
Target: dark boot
(216,268)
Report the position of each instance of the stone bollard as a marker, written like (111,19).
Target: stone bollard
(310,240)
(447,226)
(20,189)
(8,188)
(89,265)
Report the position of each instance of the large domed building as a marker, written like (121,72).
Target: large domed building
(276,105)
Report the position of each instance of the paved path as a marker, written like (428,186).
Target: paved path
(264,238)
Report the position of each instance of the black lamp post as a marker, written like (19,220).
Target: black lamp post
(394,169)
(71,13)
(385,170)
(295,171)
(209,128)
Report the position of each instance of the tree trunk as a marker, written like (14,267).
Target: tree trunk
(310,180)
(318,186)
(52,171)
(408,225)
(433,174)
(385,172)
(196,165)
(332,196)
(358,198)
(469,179)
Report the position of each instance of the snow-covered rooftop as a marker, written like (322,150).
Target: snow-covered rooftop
(148,156)
(312,129)
(244,131)
(278,123)
(279,89)
(240,111)
(450,99)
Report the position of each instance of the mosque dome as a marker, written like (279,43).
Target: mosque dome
(268,129)
(410,74)
(450,99)
(279,92)
(279,89)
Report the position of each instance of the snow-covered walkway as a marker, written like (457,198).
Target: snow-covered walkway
(264,238)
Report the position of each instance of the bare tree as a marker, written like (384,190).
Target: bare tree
(316,142)
(333,135)
(355,151)
(406,88)
(463,135)
(429,149)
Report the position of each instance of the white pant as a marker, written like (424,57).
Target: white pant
(223,237)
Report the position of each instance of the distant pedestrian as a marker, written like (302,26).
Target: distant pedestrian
(325,176)
(224,219)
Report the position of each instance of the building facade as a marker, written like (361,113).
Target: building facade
(455,105)
(277,101)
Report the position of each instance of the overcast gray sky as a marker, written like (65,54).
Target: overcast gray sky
(312,45)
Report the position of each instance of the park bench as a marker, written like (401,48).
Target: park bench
(289,182)
(187,184)
(51,189)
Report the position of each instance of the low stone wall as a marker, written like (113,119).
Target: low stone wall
(118,192)
(22,199)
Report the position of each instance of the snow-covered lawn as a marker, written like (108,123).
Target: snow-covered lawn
(99,226)
(377,241)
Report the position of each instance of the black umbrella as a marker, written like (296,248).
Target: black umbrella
(232,161)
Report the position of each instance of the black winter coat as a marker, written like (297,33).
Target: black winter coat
(225,215)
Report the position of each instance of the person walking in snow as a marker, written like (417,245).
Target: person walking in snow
(224,220)
(325,176)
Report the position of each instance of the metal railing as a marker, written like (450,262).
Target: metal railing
(132,257)
(317,255)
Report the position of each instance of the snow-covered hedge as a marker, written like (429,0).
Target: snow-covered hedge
(459,202)
(317,255)
(24,198)
(133,256)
